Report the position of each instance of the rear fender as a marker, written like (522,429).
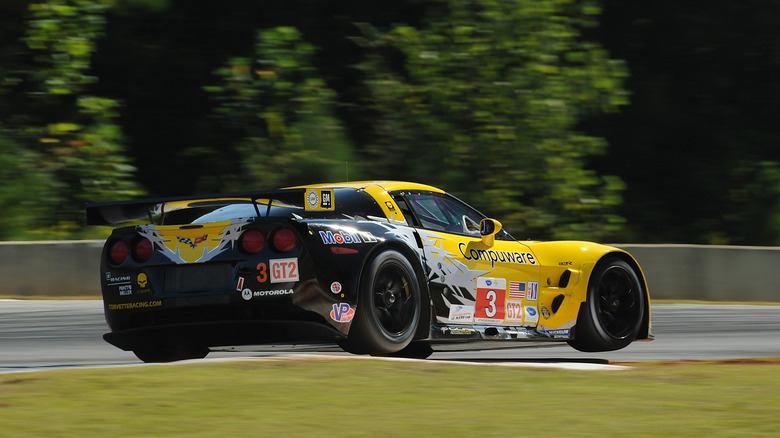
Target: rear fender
(414,257)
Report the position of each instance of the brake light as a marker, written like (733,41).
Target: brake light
(143,250)
(342,250)
(284,240)
(118,252)
(252,241)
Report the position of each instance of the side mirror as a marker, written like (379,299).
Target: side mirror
(488,228)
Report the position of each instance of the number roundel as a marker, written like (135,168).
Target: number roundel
(491,297)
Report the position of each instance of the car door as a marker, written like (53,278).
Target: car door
(472,280)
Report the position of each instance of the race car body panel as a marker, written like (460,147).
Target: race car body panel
(377,266)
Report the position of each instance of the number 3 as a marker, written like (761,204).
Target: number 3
(490,311)
(262,272)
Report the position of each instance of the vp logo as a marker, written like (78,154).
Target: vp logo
(342,312)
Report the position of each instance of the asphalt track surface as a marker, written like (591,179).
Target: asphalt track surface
(44,335)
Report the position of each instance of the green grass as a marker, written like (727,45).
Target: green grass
(359,398)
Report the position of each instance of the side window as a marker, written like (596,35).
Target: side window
(438,212)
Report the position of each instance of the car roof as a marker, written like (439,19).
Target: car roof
(115,212)
(386,185)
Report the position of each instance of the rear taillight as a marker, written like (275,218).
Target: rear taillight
(143,250)
(284,240)
(118,252)
(252,241)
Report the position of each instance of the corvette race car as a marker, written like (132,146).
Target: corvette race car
(380,267)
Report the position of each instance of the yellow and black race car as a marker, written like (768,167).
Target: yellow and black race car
(379,267)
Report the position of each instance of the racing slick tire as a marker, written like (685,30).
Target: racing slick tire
(389,307)
(612,315)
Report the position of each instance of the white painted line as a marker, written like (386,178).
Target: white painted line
(582,366)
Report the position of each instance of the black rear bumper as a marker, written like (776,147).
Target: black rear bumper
(222,333)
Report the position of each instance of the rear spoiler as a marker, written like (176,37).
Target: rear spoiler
(116,212)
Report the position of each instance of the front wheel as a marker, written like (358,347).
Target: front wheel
(389,307)
(612,315)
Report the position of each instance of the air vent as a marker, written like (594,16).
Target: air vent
(564,281)
(556,303)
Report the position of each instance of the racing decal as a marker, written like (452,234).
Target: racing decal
(562,331)
(446,269)
(143,283)
(193,246)
(335,287)
(514,311)
(493,256)
(141,280)
(248,294)
(342,312)
(533,291)
(113,281)
(461,313)
(319,200)
(240,285)
(516,290)
(192,242)
(262,272)
(139,305)
(457,331)
(342,237)
(555,333)
(125,289)
(531,314)
(283,270)
(491,294)
(122,283)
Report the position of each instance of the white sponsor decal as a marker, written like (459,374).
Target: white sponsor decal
(283,270)
(461,313)
(514,311)
(531,314)
(248,294)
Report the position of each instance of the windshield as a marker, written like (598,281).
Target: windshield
(442,212)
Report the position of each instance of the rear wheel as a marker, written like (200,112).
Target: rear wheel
(612,315)
(389,307)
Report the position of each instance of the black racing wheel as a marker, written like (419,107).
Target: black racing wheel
(389,306)
(612,315)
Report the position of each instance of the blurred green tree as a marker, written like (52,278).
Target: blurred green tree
(285,113)
(24,189)
(486,101)
(60,134)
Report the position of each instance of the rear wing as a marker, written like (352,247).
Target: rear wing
(112,213)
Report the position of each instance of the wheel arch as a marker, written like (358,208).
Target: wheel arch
(644,330)
(423,328)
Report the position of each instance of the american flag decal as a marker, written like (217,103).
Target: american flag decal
(516,290)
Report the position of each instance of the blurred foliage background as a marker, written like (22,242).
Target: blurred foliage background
(578,119)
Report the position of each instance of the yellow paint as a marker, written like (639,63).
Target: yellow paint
(192,243)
